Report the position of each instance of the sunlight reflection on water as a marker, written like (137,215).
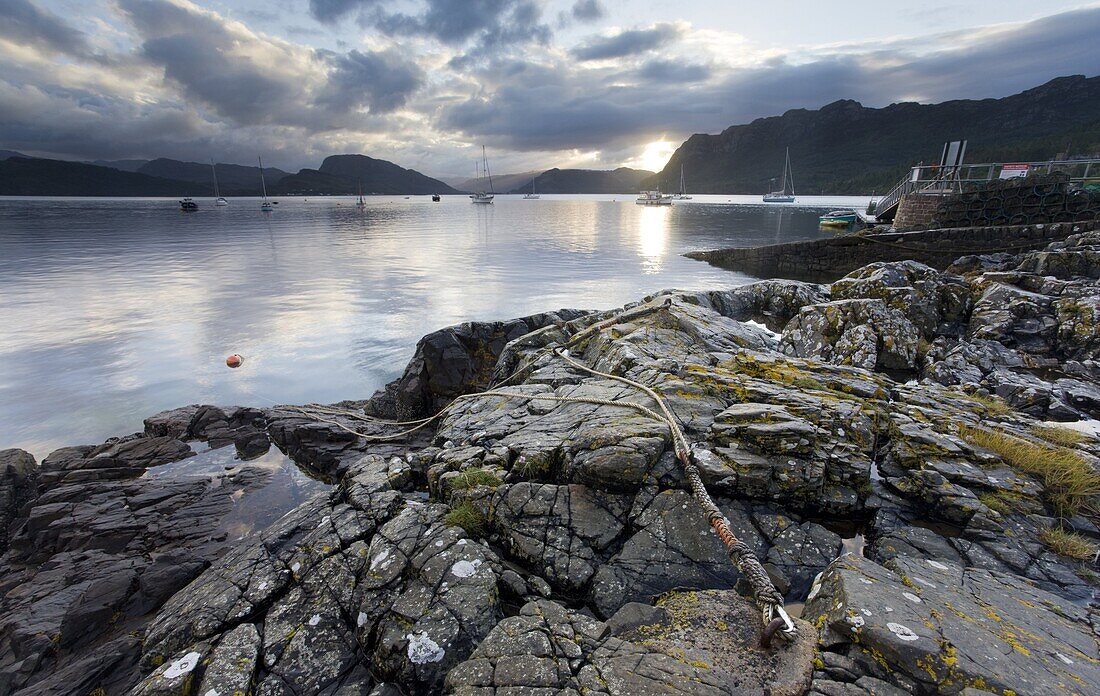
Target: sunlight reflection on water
(111,310)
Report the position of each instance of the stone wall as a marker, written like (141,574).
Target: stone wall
(916,211)
(825,260)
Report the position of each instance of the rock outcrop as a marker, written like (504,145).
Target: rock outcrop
(878,444)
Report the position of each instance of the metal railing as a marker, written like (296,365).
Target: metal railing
(936,180)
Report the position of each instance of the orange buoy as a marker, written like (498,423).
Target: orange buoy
(234,360)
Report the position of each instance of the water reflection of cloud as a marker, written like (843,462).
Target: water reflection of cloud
(111,314)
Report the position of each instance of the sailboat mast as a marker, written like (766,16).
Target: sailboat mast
(263,185)
(786,163)
(217,193)
(787,173)
(487,172)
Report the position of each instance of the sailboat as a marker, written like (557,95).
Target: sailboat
(360,203)
(482,196)
(266,205)
(781,196)
(682,196)
(218,200)
(531,196)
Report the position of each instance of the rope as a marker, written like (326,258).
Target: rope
(767,598)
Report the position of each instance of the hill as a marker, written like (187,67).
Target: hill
(8,154)
(502,182)
(126,165)
(378,176)
(24,176)
(845,147)
(621,180)
(233,179)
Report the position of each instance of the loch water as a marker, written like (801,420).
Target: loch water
(114,309)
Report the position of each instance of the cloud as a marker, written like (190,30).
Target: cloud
(381,80)
(23,23)
(673,71)
(588,10)
(329,11)
(628,43)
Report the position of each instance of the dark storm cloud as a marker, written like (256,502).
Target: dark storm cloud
(454,22)
(588,10)
(199,53)
(627,43)
(24,23)
(592,109)
(382,80)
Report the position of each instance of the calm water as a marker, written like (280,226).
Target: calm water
(111,310)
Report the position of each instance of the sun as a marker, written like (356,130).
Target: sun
(655,155)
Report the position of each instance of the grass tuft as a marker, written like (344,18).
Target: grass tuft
(1059,436)
(1068,544)
(471,478)
(992,405)
(1070,483)
(468,517)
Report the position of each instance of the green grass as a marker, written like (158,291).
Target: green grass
(1059,436)
(468,517)
(1068,544)
(471,478)
(1070,483)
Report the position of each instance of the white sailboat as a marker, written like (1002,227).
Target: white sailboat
(483,196)
(360,203)
(682,196)
(532,196)
(218,200)
(781,196)
(266,205)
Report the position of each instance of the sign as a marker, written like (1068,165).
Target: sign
(1012,171)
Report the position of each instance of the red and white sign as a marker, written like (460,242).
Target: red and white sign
(1011,171)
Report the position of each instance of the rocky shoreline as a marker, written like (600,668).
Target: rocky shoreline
(884,444)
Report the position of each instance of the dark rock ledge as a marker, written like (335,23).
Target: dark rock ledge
(875,441)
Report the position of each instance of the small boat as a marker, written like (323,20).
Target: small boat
(436,198)
(188,204)
(532,196)
(837,218)
(483,197)
(781,196)
(682,196)
(218,199)
(653,198)
(265,206)
(359,202)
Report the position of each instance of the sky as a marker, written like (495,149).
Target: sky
(539,83)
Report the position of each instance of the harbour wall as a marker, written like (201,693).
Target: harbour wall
(825,260)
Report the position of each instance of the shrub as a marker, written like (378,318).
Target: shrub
(471,478)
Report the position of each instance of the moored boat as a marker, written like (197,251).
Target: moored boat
(653,198)
(436,197)
(218,199)
(265,206)
(682,195)
(483,197)
(837,218)
(188,204)
(782,196)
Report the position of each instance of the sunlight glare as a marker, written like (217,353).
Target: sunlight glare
(656,155)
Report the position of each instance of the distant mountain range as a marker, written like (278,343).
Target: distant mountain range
(343,174)
(25,176)
(846,147)
(501,182)
(843,147)
(621,180)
